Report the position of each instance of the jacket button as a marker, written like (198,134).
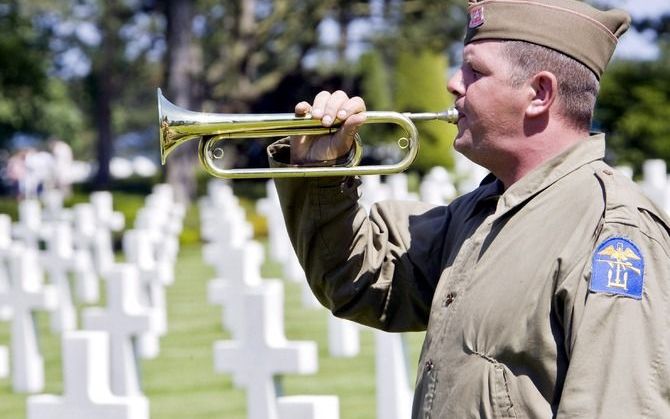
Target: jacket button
(449,299)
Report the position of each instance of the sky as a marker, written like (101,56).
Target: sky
(633,44)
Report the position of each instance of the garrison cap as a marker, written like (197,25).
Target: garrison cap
(571,27)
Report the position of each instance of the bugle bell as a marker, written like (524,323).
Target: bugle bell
(178,125)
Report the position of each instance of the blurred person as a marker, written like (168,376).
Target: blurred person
(38,175)
(62,165)
(545,292)
(16,172)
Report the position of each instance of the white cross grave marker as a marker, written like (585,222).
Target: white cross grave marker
(27,230)
(308,407)
(394,395)
(437,187)
(398,185)
(93,238)
(86,385)
(4,362)
(87,285)
(104,211)
(280,244)
(239,270)
(343,337)
(5,242)
(139,251)
(262,351)
(125,318)
(26,295)
(655,182)
(58,260)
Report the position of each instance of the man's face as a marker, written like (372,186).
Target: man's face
(491,111)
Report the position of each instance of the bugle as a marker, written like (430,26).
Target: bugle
(178,125)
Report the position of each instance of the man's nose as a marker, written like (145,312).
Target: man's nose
(455,86)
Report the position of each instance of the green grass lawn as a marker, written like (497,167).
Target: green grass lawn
(181,382)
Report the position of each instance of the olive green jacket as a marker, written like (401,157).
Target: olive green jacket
(527,295)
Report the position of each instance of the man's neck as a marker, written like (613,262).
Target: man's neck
(539,147)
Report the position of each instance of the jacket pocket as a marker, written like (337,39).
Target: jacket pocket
(501,399)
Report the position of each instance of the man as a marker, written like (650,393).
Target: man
(546,291)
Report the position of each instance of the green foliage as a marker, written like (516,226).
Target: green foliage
(23,70)
(375,81)
(423,24)
(634,110)
(30,100)
(419,75)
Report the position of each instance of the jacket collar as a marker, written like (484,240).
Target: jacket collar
(551,171)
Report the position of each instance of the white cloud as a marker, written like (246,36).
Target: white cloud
(642,9)
(633,44)
(637,46)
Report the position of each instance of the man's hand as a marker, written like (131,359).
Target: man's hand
(329,108)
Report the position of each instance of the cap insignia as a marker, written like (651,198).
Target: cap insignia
(476,17)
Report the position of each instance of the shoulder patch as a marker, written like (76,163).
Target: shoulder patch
(618,268)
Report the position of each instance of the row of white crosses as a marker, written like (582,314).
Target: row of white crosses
(258,351)
(129,316)
(135,309)
(393,389)
(22,275)
(100,371)
(153,245)
(343,335)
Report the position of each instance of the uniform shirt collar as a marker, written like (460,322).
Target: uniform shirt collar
(551,171)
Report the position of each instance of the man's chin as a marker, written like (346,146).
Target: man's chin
(460,142)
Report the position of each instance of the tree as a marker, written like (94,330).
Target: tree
(30,101)
(180,69)
(634,109)
(419,75)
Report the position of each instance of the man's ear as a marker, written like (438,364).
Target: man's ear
(544,89)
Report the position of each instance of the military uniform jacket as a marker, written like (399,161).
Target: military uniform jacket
(550,299)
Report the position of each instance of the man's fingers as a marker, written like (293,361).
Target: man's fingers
(352,106)
(337,99)
(351,124)
(319,105)
(302,108)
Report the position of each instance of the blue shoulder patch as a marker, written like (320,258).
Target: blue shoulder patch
(618,268)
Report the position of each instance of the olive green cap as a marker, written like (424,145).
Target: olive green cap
(572,27)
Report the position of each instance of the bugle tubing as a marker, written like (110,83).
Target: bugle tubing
(178,125)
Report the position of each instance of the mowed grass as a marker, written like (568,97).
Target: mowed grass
(182,384)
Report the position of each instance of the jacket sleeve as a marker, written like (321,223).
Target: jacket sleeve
(379,269)
(618,344)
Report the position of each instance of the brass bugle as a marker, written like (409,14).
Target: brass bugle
(178,125)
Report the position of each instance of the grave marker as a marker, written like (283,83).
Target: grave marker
(28,229)
(125,319)
(58,260)
(262,351)
(343,337)
(27,294)
(5,242)
(308,407)
(240,271)
(87,393)
(394,394)
(4,362)
(139,251)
